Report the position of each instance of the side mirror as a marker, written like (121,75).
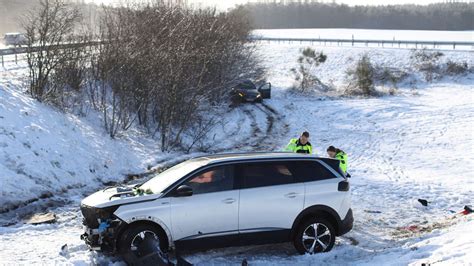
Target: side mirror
(184,191)
(343,186)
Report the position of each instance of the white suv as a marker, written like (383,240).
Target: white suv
(225,200)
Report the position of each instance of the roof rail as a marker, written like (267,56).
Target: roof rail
(242,153)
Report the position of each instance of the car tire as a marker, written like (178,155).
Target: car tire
(133,234)
(307,242)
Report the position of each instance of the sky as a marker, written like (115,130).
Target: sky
(225,4)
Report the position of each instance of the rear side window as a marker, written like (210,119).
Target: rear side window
(308,171)
(264,174)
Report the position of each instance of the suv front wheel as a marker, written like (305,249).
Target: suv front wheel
(314,235)
(139,241)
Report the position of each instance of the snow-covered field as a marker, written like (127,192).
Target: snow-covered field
(417,144)
(430,36)
(370,34)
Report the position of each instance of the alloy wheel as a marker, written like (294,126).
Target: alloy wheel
(316,238)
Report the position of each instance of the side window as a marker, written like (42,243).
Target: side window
(216,179)
(308,171)
(264,174)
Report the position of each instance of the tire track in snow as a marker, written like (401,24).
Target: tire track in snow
(265,134)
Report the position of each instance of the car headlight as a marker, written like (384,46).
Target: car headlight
(241,94)
(258,96)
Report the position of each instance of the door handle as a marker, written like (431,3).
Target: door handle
(291,195)
(229,201)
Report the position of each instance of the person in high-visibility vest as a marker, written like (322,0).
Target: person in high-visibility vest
(340,155)
(300,145)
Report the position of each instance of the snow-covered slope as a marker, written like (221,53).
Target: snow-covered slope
(45,151)
(281,57)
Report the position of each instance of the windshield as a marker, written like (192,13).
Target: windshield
(246,85)
(163,180)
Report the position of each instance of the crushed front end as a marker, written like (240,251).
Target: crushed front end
(101,228)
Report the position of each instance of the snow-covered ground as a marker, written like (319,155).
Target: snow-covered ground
(45,151)
(370,34)
(417,144)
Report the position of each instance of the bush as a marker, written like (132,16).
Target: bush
(389,75)
(361,78)
(427,62)
(304,75)
(166,65)
(456,68)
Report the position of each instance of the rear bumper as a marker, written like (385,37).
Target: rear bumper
(347,223)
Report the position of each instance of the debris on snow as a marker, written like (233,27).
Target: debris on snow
(41,218)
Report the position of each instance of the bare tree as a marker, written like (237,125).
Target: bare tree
(164,66)
(47,27)
(158,66)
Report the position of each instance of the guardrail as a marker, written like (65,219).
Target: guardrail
(381,43)
(23,50)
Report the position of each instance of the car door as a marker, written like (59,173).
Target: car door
(265,90)
(270,199)
(212,210)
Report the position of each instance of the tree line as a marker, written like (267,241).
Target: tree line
(312,14)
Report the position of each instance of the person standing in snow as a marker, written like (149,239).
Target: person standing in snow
(300,145)
(340,155)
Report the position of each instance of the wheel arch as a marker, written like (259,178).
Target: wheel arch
(320,211)
(150,222)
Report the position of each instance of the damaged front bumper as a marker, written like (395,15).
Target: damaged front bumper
(101,228)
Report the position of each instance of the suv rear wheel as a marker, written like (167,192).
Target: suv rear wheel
(139,241)
(314,235)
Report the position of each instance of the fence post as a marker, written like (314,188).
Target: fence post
(454,46)
(2,62)
(16,59)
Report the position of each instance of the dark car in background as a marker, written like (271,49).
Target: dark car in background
(247,91)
